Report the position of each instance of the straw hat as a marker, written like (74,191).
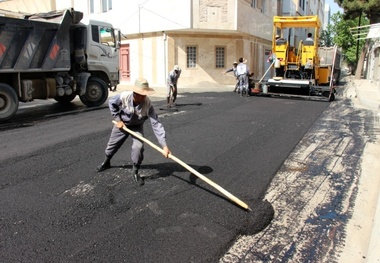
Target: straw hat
(142,87)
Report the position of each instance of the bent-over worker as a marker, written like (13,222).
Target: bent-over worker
(132,109)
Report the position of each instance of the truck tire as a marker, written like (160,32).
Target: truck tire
(96,92)
(8,102)
(65,99)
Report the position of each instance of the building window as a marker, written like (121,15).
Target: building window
(259,4)
(95,33)
(106,5)
(191,60)
(103,35)
(92,8)
(263,7)
(302,4)
(219,57)
(107,37)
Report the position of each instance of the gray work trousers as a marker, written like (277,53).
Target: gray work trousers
(118,137)
(170,91)
(243,83)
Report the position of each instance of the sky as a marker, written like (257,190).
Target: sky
(333,6)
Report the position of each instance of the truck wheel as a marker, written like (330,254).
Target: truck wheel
(8,102)
(65,99)
(96,93)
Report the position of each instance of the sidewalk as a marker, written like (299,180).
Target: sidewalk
(366,94)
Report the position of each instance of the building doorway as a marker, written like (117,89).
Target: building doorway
(125,71)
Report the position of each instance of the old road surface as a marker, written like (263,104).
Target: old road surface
(56,208)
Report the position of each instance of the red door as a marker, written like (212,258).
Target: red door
(124,63)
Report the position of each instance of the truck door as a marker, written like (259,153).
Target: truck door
(103,51)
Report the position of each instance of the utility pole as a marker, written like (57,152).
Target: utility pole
(139,19)
(357,42)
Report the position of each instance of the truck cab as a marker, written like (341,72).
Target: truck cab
(56,55)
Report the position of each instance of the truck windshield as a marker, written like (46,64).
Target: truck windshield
(107,36)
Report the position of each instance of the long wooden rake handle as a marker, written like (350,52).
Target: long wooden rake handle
(199,175)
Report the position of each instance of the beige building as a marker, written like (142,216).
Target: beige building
(28,6)
(203,37)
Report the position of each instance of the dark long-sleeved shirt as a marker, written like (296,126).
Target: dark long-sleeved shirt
(232,70)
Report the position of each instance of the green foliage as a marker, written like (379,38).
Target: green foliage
(343,37)
(326,37)
(354,8)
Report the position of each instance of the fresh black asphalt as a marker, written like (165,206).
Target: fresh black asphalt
(56,208)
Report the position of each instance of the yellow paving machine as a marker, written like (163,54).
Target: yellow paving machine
(302,67)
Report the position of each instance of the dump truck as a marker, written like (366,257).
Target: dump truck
(299,70)
(56,55)
(330,62)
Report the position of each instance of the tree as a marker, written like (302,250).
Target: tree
(355,9)
(342,37)
(327,37)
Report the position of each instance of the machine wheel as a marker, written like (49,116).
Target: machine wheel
(96,92)
(65,99)
(8,102)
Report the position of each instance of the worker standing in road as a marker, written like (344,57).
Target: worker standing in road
(132,109)
(233,69)
(242,72)
(172,86)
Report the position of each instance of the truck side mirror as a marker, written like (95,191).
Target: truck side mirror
(118,41)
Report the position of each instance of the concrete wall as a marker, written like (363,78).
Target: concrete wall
(220,15)
(148,58)
(373,71)
(233,24)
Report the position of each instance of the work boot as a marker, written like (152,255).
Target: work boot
(136,177)
(105,165)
